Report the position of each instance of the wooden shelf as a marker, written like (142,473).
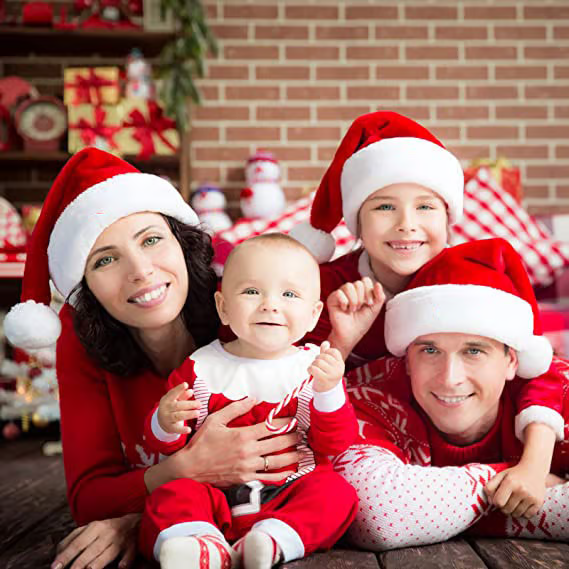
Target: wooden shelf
(16,40)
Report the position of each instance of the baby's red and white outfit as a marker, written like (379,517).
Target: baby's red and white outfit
(309,510)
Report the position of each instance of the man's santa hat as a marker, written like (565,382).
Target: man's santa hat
(479,288)
(93,190)
(379,149)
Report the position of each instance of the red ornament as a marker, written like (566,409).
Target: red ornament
(11,431)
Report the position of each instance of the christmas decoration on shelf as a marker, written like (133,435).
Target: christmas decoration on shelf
(263,197)
(209,203)
(13,91)
(107,14)
(92,85)
(91,125)
(139,83)
(41,122)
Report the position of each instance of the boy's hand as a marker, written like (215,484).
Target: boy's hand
(352,309)
(176,407)
(517,491)
(327,369)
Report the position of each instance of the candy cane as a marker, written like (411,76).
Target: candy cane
(276,410)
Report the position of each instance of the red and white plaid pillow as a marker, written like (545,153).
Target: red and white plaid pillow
(12,234)
(489,211)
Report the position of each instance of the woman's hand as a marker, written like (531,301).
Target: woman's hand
(225,456)
(97,544)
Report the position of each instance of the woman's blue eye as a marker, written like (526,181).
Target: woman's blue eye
(289,294)
(152,240)
(425,206)
(103,261)
(385,207)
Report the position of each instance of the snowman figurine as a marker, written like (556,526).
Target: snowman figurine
(209,203)
(263,197)
(138,76)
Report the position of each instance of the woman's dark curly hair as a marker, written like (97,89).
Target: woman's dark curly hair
(111,344)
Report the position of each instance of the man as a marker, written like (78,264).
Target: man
(437,426)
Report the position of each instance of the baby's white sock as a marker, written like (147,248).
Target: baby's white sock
(198,552)
(259,550)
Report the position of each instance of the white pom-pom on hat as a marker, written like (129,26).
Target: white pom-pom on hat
(318,242)
(31,325)
(535,357)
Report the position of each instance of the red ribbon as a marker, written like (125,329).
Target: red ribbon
(146,128)
(90,132)
(87,87)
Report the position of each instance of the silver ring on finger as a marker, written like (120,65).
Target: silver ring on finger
(265,464)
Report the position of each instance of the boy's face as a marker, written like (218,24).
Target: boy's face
(270,297)
(458,380)
(402,226)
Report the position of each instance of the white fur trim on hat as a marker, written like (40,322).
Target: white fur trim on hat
(31,325)
(401,160)
(543,415)
(468,309)
(85,218)
(321,244)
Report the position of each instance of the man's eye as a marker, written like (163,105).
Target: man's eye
(289,294)
(474,351)
(429,350)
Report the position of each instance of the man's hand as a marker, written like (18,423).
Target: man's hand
(176,407)
(517,491)
(327,369)
(352,309)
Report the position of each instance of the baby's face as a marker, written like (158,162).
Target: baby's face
(270,297)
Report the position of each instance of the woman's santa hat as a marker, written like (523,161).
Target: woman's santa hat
(379,149)
(93,190)
(478,288)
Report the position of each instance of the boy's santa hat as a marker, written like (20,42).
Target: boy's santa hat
(479,288)
(379,149)
(93,190)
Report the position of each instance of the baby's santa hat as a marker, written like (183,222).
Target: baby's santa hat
(93,190)
(479,288)
(379,149)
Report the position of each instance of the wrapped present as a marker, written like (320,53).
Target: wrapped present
(94,85)
(91,125)
(146,131)
(507,176)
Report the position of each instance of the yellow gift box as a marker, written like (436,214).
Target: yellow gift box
(93,85)
(94,125)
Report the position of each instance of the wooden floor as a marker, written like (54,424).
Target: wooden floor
(34,517)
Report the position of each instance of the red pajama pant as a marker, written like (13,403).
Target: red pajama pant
(319,507)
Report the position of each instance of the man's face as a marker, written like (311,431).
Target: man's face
(458,379)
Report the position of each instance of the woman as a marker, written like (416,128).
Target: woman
(123,249)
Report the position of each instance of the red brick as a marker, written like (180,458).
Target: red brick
(546,131)
(326,153)
(281,113)
(432,52)
(521,112)
(561,112)
(561,32)
(431,92)
(226,31)
(431,13)
(537,191)
(517,32)
(562,192)
(227,71)
(211,11)
(252,133)
(372,52)
(312,93)
(489,13)
(344,32)
(469,151)
(251,92)
(399,32)
(281,33)
(282,72)
(491,132)
(557,12)
(562,152)
(462,112)
(337,113)
(251,11)
(371,12)
(486,52)
(521,72)
(209,92)
(212,174)
(311,12)
(373,92)
(445,133)
(546,52)
(401,72)
(204,133)
(461,72)
(305,173)
(561,72)
(547,92)
(414,112)
(522,151)
(235,175)
(288,152)
(461,33)
(319,133)
(222,153)
(251,52)
(547,171)
(489,92)
(343,72)
(312,52)
(221,113)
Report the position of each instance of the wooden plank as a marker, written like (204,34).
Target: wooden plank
(336,559)
(10,450)
(521,553)
(455,553)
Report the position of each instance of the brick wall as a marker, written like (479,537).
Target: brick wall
(490,78)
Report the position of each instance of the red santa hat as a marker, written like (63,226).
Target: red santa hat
(478,288)
(379,149)
(93,190)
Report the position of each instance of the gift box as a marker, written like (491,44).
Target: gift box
(93,85)
(507,176)
(92,125)
(146,131)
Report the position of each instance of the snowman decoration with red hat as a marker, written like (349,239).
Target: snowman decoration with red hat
(209,203)
(263,197)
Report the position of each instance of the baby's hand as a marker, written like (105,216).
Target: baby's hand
(176,407)
(327,369)
(517,491)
